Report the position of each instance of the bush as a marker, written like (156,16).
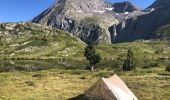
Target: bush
(30,83)
(168,68)
(38,76)
(83,77)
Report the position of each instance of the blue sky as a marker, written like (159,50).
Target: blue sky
(140,3)
(23,10)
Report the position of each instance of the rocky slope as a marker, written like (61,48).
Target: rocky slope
(123,7)
(28,40)
(90,20)
(144,26)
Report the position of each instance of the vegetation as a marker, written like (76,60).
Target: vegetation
(163,32)
(2,27)
(31,41)
(129,62)
(36,61)
(168,68)
(93,19)
(91,55)
(62,84)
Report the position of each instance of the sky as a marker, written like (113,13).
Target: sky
(24,10)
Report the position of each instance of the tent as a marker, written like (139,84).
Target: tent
(112,88)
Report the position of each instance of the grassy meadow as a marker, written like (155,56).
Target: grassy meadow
(62,84)
(40,63)
(62,79)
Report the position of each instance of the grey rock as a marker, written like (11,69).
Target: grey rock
(122,7)
(143,26)
(89,20)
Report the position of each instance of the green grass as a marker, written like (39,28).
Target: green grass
(61,84)
(61,81)
(38,42)
(163,32)
(34,41)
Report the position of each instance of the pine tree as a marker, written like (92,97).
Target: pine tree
(129,62)
(91,55)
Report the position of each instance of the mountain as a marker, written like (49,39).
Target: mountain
(144,26)
(123,7)
(90,20)
(29,40)
(86,19)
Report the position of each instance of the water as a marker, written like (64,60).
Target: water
(27,65)
(36,65)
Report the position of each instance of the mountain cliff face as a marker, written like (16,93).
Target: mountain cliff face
(123,7)
(87,19)
(103,22)
(145,25)
(90,20)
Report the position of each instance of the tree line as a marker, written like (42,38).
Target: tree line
(93,57)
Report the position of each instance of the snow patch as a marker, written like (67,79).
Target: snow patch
(149,10)
(126,13)
(109,9)
(98,11)
(79,11)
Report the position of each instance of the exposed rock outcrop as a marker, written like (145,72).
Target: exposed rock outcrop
(87,19)
(90,20)
(143,26)
(125,7)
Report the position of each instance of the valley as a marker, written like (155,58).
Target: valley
(52,78)
(44,58)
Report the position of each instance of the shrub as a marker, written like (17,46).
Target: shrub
(38,75)
(168,68)
(159,51)
(83,77)
(30,83)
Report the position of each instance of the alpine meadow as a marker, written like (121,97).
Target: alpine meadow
(88,50)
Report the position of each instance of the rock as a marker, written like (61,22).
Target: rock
(144,26)
(89,20)
(83,18)
(124,7)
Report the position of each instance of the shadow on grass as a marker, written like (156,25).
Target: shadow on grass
(80,97)
(83,97)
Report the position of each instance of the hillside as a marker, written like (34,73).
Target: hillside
(44,59)
(163,32)
(33,41)
(144,26)
(62,80)
(89,20)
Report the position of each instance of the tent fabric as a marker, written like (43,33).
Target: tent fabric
(100,91)
(112,88)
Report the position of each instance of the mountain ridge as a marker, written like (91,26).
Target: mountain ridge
(103,22)
(144,26)
(89,20)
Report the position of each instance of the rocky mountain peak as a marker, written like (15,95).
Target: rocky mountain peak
(145,25)
(86,19)
(160,4)
(89,20)
(70,7)
(122,7)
